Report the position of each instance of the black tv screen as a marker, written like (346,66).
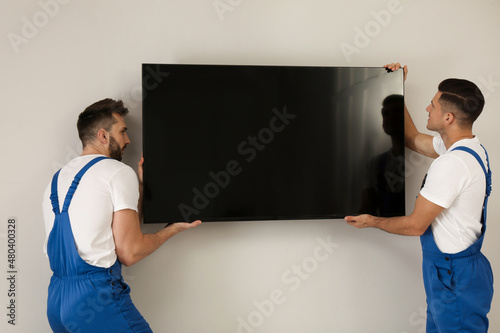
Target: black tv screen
(243,143)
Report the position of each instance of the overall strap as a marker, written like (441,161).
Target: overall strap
(54,198)
(487,173)
(76,181)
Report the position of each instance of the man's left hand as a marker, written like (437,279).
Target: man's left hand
(362,221)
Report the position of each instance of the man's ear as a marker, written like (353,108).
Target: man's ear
(103,136)
(449,117)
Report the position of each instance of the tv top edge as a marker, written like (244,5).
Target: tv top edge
(259,65)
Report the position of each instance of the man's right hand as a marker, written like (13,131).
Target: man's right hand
(395,66)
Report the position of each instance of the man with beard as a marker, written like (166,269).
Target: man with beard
(97,229)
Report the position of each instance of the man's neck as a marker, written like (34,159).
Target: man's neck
(91,149)
(450,139)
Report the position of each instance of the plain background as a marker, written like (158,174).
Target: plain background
(57,57)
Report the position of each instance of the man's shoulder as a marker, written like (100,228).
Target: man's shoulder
(114,164)
(456,163)
(472,144)
(106,168)
(447,161)
(111,168)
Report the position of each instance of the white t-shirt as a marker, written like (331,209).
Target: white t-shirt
(108,186)
(456,182)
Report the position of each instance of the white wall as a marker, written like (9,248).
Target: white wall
(59,56)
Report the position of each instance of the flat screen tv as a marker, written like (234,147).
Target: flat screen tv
(243,143)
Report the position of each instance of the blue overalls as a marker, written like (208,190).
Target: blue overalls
(84,298)
(459,286)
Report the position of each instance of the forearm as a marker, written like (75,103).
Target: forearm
(412,225)
(149,243)
(131,244)
(401,225)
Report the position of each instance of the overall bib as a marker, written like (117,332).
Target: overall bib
(84,298)
(459,286)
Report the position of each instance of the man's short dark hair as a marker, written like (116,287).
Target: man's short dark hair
(98,115)
(462,96)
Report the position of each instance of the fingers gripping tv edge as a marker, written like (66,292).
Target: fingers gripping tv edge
(246,143)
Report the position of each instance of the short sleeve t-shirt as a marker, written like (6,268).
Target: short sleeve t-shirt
(456,182)
(107,187)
